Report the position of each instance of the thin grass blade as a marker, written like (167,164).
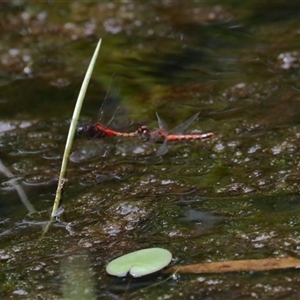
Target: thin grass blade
(62,180)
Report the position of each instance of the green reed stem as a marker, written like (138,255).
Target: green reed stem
(62,180)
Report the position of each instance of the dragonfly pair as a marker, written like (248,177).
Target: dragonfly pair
(160,135)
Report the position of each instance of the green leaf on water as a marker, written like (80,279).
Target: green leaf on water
(139,263)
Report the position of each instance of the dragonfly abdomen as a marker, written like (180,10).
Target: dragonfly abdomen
(181,137)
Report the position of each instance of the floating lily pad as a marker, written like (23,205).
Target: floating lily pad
(139,263)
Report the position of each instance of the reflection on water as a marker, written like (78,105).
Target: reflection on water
(203,220)
(234,196)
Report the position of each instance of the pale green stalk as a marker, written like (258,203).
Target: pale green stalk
(71,134)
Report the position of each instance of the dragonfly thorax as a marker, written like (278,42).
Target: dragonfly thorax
(143,133)
(158,136)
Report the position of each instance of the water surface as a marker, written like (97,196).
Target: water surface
(232,197)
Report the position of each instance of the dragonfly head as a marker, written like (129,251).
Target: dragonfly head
(85,130)
(143,133)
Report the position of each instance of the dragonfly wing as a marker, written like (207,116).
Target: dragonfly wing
(109,104)
(108,109)
(120,118)
(182,127)
(161,124)
(163,149)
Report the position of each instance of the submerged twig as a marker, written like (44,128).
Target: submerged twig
(17,187)
(71,134)
(246,265)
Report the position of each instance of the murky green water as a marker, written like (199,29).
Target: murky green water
(235,196)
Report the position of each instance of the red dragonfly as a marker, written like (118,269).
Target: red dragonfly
(162,135)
